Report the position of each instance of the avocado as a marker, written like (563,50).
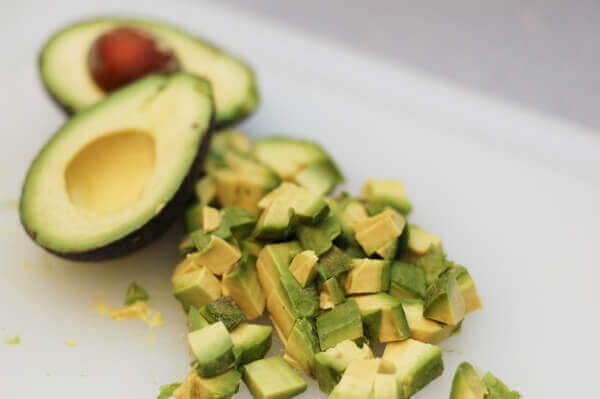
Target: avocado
(341,323)
(104,186)
(304,267)
(444,301)
(242,285)
(434,264)
(196,287)
(307,207)
(230,140)
(252,247)
(224,310)
(497,389)
(332,294)
(302,346)
(234,222)
(407,281)
(211,219)
(136,293)
(302,301)
(212,349)
(186,246)
(272,378)
(318,238)
(275,222)
(205,190)
(467,383)
(390,249)
(417,364)
(383,317)
(421,240)
(251,342)
(368,276)
(223,386)
(386,387)
(421,328)
(331,364)
(468,289)
(272,261)
(192,218)
(333,263)
(282,313)
(359,379)
(301,161)
(195,320)
(235,91)
(375,233)
(346,212)
(167,390)
(379,193)
(214,253)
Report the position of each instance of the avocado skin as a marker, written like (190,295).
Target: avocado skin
(152,229)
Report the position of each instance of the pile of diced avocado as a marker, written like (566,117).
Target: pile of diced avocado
(336,274)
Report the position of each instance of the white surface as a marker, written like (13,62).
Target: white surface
(513,194)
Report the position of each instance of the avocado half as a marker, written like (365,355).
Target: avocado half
(115,176)
(63,64)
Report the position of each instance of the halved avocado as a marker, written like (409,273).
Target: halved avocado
(114,177)
(65,71)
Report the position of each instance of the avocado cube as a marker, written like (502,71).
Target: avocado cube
(196,288)
(389,249)
(332,294)
(318,238)
(272,261)
(386,192)
(496,388)
(434,264)
(252,247)
(223,386)
(333,263)
(444,301)
(186,246)
(275,222)
(468,289)
(375,232)
(224,310)
(282,313)
(136,293)
(302,346)
(318,178)
(217,255)
(467,383)
(193,217)
(213,350)
(417,364)
(359,379)
(383,317)
(407,281)
(386,387)
(272,378)
(251,342)
(331,364)
(421,328)
(205,190)
(211,219)
(195,320)
(346,213)
(368,276)
(303,302)
(304,267)
(341,323)
(239,221)
(305,206)
(242,285)
(421,240)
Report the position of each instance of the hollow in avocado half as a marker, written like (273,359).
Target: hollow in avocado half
(117,174)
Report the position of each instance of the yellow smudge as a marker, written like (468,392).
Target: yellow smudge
(151,339)
(156,320)
(71,343)
(14,340)
(139,310)
(27,265)
(101,308)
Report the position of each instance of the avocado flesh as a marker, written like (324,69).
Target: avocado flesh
(105,185)
(468,290)
(423,329)
(339,324)
(272,261)
(224,310)
(195,320)
(375,233)
(407,281)
(358,381)
(497,389)
(331,364)
(420,241)
(223,386)
(386,387)
(235,91)
(217,255)
(242,285)
(383,317)
(272,378)
(333,263)
(444,301)
(213,350)
(318,238)
(196,288)
(304,267)
(251,342)
(368,276)
(467,383)
(332,294)
(380,193)
(302,346)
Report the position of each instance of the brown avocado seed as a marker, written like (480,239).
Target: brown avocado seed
(125,54)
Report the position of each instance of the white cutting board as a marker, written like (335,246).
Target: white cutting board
(514,195)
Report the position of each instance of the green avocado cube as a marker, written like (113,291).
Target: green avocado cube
(196,288)
(213,350)
(304,267)
(341,323)
(302,346)
(332,294)
(346,214)
(421,240)
(193,218)
(331,364)
(358,381)
(333,263)
(318,238)
(444,301)
(386,386)
(380,193)
(195,320)
(225,310)
(407,281)
(275,222)
(251,342)
(496,388)
(223,386)
(305,206)
(468,289)
(383,317)
(272,378)
(136,293)
(368,276)
(423,329)
(186,246)
(318,178)
(303,303)
(205,190)
(434,264)
(467,383)
(273,260)
(242,285)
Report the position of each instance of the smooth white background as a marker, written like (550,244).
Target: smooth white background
(513,194)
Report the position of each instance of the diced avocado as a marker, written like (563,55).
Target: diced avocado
(359,379)
(272,261)
(167,390)
(417,364)
(221,387)
(275,222)
(468,289)
(281,312)
(206,190)
(193,218)
(383,317)
(434,264)
(421,328)
(303,303)
(341,323)
(420,240)
(224,310)
(195,320)
(226,183)
(407,281)
(331,364)
(389,249)
(136,293)
(251,342)
(186,246)
(235,222)
(374,233)
(230,140)
(444,301)
(382,193)
(302,346)
(211,219)
(196,288)
(217,255)
(332,294)
(318,238)
(304,267)
(307,207)
(251,246)
(368,276)
(213,350)
(333,263)
(104,185)
(386,387)
(242,285)
(272,378)
(467,383)
(497,389)
(320,179)
(187,265)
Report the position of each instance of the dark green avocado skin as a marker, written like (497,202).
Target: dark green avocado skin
(156,226)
